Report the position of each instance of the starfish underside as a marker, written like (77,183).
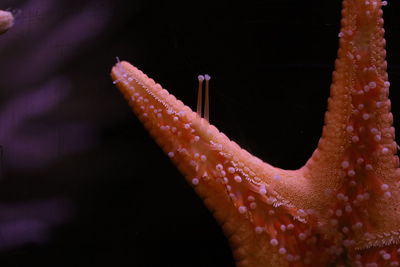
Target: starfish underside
(341,208)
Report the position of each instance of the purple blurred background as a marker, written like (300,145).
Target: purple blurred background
(82,184)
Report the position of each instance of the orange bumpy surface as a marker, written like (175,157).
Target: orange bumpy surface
(341,208)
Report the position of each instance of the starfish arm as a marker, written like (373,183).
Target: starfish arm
(6,21)
(358,116)
(240,189)
(355,159)
(341,207)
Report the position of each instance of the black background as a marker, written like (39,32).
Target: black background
(271,63)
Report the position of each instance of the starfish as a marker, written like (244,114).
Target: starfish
(340,208)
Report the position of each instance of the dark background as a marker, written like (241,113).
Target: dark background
(82,183)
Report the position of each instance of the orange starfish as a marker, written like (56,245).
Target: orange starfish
(341,208)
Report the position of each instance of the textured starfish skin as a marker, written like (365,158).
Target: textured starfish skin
(341,208)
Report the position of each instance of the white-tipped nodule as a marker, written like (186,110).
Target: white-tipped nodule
(201,78)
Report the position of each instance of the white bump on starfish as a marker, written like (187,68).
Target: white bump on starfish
(345,164)
(242,209)
(384,187)
(377,138)
(277,177)
(238,179)
(349,128)
(386,256)
(372,85)
(362,197)
(259,229)
(301,213)
(262,190)
(274,242)
(302,236)
(360,160)
(366,116)
(340,196)
(351,173)
(282,251)
(368,167)
(350,56)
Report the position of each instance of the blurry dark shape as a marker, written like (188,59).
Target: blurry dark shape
(31,222)
(6,21)
(41,107)
(53,39)
(30,144)
(54,45)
